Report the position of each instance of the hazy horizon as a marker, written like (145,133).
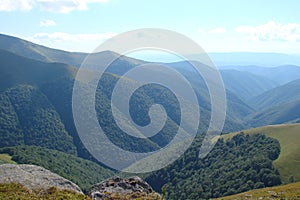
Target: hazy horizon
(80,26)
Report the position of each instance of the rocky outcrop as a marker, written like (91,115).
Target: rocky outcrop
(116,186)
(35,178)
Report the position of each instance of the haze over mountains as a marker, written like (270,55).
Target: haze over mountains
(258,59)
(251,90)
(280,74)
(248,87)
(36,85)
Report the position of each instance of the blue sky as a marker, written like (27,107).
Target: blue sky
(218,26)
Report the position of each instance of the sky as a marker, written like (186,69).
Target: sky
(217,26)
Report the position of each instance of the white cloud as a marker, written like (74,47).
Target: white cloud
(201,30)
(66,6)
(217,30)
(71,42)
(271,31)
(47,22)
(59,6)
(11,5)
(59,36)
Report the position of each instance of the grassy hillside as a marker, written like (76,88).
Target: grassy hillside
(82,172)
(5,158)
(288,135)
(15,191)
(290,191)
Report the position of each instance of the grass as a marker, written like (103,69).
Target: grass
(10,191)
(134,196)
(290,191)
(5,158)
(288,136)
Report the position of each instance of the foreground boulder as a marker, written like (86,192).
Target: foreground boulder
(117,187)
(35,178)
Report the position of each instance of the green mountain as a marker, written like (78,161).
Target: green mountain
(55,82)
(28,115)
(119,67)
(42,114)
(36,103)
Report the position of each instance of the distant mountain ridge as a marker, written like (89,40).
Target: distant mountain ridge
(280,74)
(45,54)
(38,52)
(283,94)
(281,114)
(254,58)
(246,85)
(276,106)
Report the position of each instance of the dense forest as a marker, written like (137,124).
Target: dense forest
(236,165)
(27,117)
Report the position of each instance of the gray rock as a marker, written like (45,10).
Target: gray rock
(119,186)
(35,178)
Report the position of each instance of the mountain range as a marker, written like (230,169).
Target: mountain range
(36,85)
